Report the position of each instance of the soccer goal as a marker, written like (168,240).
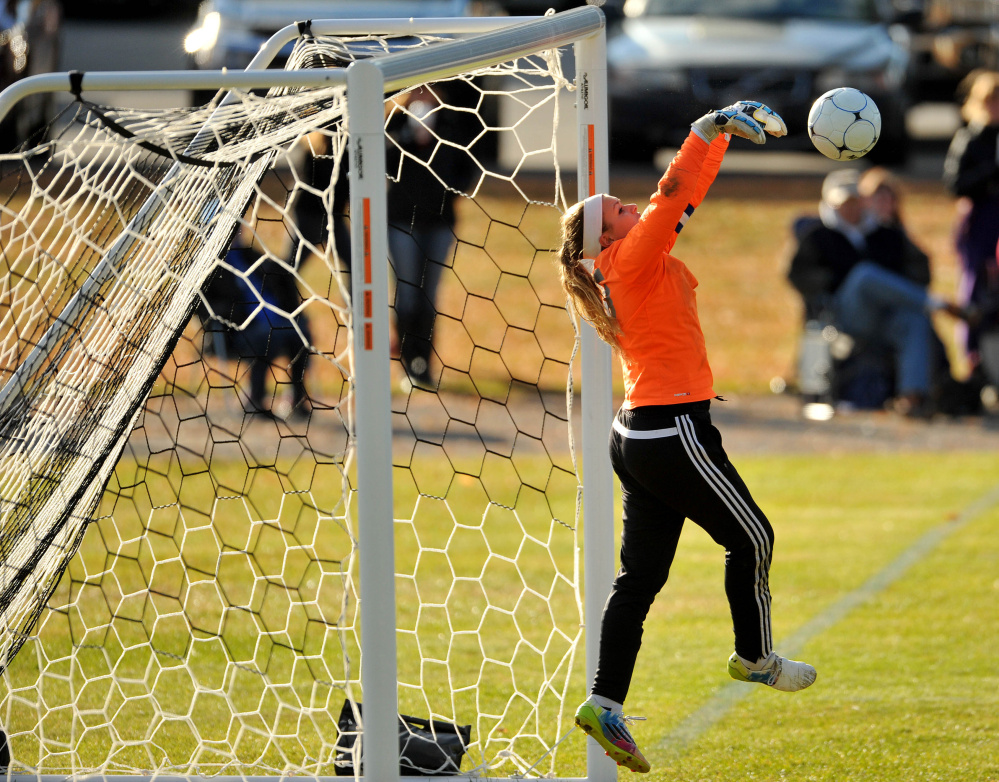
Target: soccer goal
(252,507)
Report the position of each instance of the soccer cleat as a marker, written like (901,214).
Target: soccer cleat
(610,730)
(777,672)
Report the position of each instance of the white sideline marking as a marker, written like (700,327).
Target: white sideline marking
(702,720)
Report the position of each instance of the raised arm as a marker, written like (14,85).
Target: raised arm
(664,217)
(689,176)
(710,169)
(733,120)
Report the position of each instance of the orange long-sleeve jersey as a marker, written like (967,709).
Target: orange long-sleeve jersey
(651,293)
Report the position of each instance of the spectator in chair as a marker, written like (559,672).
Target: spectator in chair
(251,299)
(882,194)
(860,265)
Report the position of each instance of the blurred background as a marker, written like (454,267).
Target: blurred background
(669,60)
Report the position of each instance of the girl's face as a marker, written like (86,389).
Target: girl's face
(992,106)
(619,219)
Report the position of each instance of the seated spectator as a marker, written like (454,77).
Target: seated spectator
(248,303)
(882,198)
(859,267)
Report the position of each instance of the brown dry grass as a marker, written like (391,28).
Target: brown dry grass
(737,245)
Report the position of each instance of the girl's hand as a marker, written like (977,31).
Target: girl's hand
(729,120)
(766,116)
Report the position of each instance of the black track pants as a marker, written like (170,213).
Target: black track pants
(672,467)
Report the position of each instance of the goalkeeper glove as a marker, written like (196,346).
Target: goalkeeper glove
(766,116)
(748,119)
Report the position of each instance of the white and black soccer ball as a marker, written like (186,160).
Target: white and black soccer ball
(844,124)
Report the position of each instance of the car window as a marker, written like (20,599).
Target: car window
(846,10)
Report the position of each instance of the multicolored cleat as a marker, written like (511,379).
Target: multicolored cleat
(777,672)
(610,730)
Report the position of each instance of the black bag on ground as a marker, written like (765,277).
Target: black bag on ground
(426,747)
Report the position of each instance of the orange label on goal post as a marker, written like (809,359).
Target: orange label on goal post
(367,299)
(591,160)
(367,241)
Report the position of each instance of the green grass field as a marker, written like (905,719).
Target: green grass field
(907,685)
(907,688)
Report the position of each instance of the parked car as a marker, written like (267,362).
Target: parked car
(30,32)
(952,38)
(230,32)
(670,61)
(611,8)
(118,10)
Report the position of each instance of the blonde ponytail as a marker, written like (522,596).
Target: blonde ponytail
(585,295)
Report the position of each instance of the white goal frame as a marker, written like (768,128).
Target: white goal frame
(484,41)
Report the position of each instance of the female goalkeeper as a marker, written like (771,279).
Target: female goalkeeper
(619,275)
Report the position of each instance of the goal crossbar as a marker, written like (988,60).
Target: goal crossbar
(497,39)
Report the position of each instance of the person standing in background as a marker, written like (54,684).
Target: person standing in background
(971,172)
(428,167)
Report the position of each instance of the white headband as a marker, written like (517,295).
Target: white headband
(593,225)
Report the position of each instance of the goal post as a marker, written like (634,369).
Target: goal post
(597,403)
(211,216)
(596,358)
(369,243)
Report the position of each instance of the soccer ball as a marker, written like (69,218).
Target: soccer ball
(844,124)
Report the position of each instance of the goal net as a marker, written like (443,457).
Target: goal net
(179,532)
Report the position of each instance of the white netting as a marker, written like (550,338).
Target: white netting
(177,538)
